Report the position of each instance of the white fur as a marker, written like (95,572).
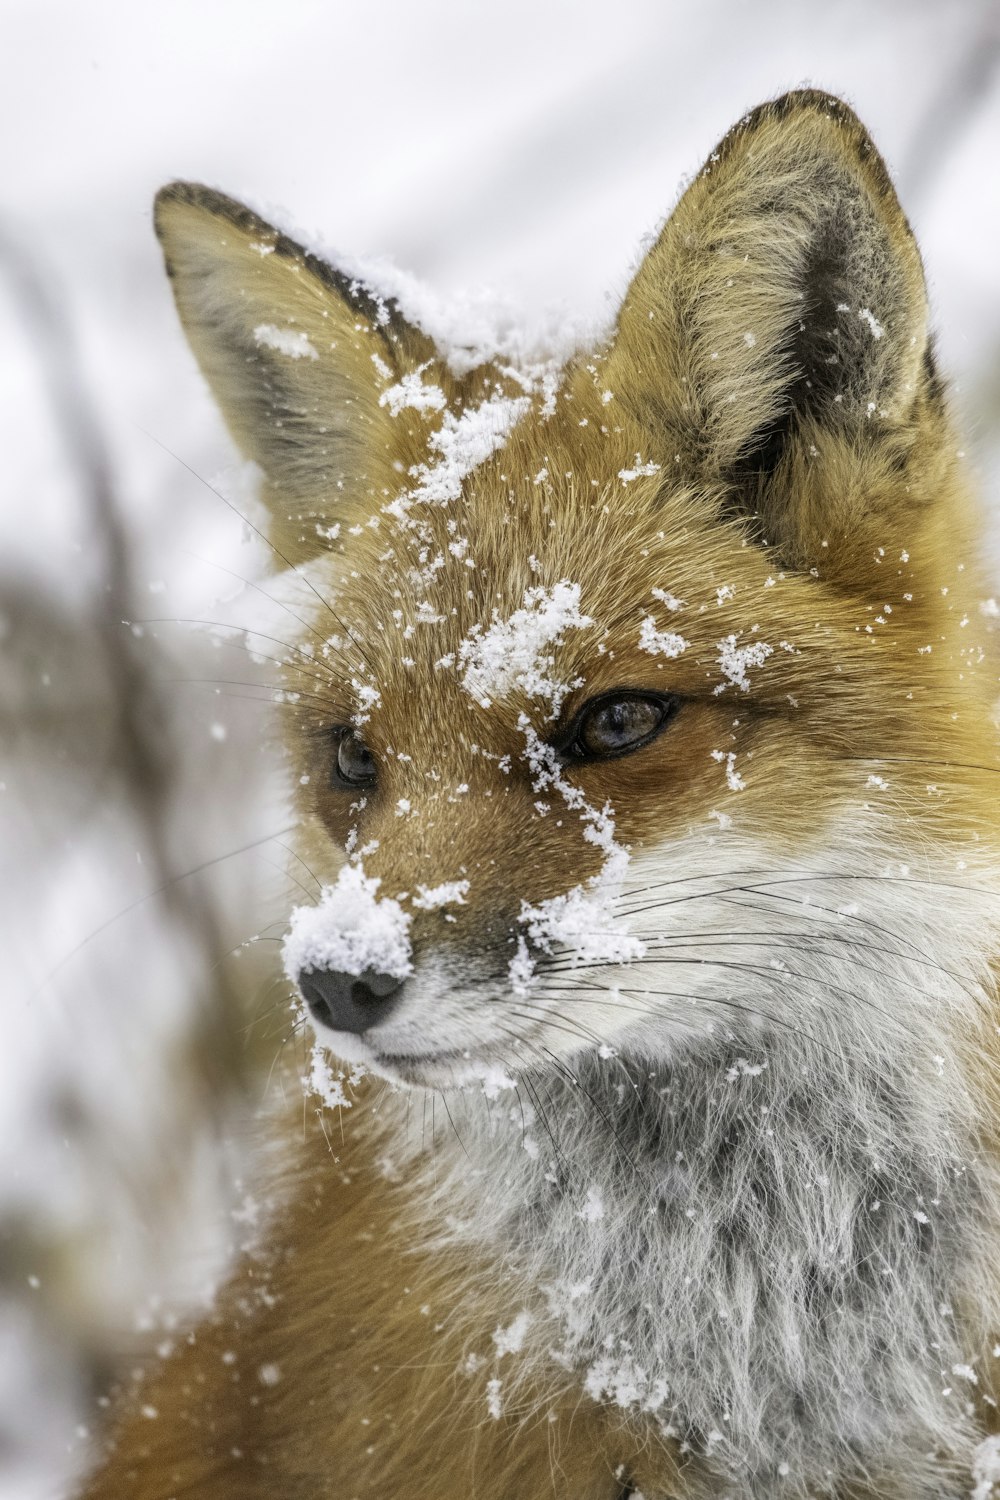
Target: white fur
(796,1222)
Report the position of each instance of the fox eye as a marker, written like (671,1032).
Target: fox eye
(354,764)
(618,723)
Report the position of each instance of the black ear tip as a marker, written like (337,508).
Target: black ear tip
(801,103)
(178,193)
(209,201)
(807,114)
(817,100)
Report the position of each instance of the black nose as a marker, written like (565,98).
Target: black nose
(349,1002)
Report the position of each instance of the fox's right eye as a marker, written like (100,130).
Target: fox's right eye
(615,724)
(353,764)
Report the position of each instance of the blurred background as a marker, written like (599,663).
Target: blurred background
(513,157)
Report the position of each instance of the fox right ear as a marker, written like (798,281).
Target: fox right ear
(297,355)
(774,340)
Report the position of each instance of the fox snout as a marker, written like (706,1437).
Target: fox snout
(349,1002)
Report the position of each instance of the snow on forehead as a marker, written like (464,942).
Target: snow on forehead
(460,445)
(518,652)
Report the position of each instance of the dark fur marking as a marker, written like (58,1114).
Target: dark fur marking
(374,309)
(820,350)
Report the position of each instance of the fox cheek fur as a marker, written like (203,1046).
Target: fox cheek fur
(642,724)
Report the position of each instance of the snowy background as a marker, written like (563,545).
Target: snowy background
(526,148)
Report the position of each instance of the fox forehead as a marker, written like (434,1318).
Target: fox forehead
(608,571)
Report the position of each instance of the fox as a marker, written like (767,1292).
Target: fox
(640,715)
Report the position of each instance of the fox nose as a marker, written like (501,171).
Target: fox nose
(349,1002)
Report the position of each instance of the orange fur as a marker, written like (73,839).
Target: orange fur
(366,1347)
(806,482)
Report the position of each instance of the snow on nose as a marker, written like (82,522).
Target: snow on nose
(349,931)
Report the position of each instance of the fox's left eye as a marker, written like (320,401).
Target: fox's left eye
(354,764)
(618,723)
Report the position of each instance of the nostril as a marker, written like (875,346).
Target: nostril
(312,994)
(371,985)
(349,1002)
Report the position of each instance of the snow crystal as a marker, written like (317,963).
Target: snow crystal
(511,1340)
(427,614)
(641,471)
(326,1084)
(734,661)
(411,393)
(986,1468)
(494,1401)
(513,653)
(660,642)
(495,1080)
(667,598)
(521,970)
(549,385)
(289,341)
(622,1379)
(867,316)
(593,1210)
(350,930)
(742,1068)
(368,697)
(463,443)
(734,780)
(583,919)
(449,893)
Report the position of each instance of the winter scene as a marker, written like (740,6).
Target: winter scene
(500,791)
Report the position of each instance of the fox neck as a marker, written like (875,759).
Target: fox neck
(765,1244)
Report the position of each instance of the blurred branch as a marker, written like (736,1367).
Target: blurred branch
(98,742)
(141,720)
(143,717)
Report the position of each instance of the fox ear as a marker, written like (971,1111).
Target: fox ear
(781,318)
(296,353)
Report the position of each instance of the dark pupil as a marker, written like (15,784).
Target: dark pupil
(354,759)
(617,725)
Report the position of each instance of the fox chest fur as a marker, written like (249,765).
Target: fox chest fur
(645,766)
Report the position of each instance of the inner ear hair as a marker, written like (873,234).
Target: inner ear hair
(298,356)
(783,302)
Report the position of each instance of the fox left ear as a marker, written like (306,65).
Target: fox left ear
(297,354)
(774,341)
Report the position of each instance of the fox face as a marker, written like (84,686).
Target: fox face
(640,713)
(565,647)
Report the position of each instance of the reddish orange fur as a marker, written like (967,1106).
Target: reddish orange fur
(367,1334)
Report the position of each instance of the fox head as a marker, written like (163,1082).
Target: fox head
(635,703)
